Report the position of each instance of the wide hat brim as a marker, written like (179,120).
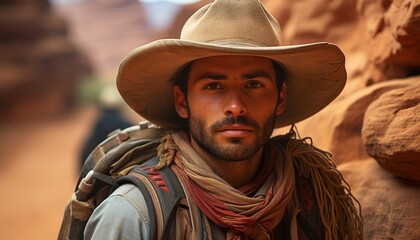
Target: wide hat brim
(315,76)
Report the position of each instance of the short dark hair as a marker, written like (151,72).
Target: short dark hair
(280,74)
(180,79)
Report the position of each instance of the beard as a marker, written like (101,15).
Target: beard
(235,149)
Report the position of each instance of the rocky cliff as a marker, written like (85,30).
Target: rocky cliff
(40,65)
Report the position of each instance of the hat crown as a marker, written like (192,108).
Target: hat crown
(228,22)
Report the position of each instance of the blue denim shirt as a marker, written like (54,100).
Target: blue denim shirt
(119,216)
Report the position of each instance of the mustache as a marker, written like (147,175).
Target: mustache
(230,120)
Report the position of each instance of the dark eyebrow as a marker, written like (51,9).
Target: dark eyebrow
(256,74)
(210,75)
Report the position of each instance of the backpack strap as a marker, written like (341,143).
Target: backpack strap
(142,139)
(308,220)
(162,192)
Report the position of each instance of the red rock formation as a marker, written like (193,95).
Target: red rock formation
(107,30)
(338,127)
(380,38)
(390,205)
(40,66)
(391,130)
(393,36)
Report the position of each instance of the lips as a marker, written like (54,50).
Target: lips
(235,130)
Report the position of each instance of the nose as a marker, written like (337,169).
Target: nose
(234,105)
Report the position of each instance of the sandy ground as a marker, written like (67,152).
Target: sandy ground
(38,170)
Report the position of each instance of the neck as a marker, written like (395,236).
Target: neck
(236,173)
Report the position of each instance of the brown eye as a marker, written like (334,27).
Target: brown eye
(253,84)
(213,86)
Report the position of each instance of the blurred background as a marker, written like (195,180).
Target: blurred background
(58,61)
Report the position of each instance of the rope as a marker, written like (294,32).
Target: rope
(166,151)
(339,209)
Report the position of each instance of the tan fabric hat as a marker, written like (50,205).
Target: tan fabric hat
(315,72)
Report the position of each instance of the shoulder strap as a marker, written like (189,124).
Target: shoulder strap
(308,219)
(122,150)
(162,192)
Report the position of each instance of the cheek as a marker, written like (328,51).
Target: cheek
(264,105)
(204,104)
(204,110)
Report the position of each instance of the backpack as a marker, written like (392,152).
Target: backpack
(126,156)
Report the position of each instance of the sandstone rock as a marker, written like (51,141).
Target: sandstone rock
(337,128)
(391,130)
(107,30)
(390,41)
(380,38)
(390,205)
(394,30)
(40,66)
(321,20)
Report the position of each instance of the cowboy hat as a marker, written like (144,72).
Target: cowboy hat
(315,73)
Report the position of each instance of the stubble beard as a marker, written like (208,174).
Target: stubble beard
(235,150)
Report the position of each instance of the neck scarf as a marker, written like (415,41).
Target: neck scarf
(246,217)
(339,209)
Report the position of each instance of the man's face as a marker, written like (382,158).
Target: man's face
(231,105)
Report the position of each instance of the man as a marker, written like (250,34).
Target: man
(221,89)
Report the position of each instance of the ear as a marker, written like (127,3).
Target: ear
(180,103)
(281,103)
